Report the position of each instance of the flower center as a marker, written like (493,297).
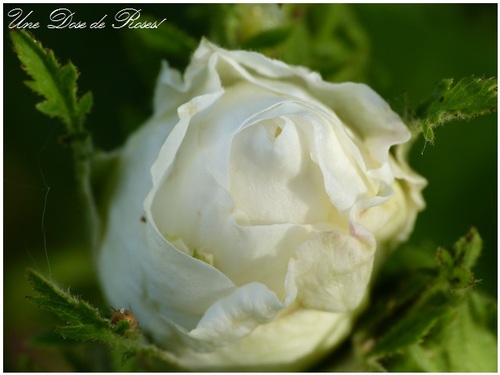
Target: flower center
(273,178)
(277,132)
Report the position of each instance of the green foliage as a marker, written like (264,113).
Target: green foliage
(146,48)
(425,318)
(467,249)
(411,327)
(324,38)
(327,39)
(57,84)
(462,100)
(445,324)
(166,42)
(253,26)
(167,38)
(268,38)
(456,263)
(83,322)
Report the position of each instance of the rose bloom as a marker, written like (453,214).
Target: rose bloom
(245,217)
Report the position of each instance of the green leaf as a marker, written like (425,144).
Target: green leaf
(83,319)
(464,344)
(469,345)
(247,26)
(456,262)
(325,38)
(409,330)
(427,131)
(167,39)
(83,322)
(268,38)
(85,104)
(445,259)
(446,325)
(465,99)
(57,84)
(461,278)
(328,39)
(468,248)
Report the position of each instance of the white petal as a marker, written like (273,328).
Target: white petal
(228,319)
(292,342)
(171,293)
(236,315)
(332,271)
(368,114)
(200,78)
(356,104)
(133,266)
(122,239)
(176,285)
(273,179)
(233,182)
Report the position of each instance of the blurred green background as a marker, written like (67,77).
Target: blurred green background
(394,48)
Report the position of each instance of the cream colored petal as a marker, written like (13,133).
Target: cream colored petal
(238,314)
(264,254)
(332,271)
(292,342)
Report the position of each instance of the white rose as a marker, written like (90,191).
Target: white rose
(244,217)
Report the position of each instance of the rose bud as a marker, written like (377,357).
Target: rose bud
(245,216)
